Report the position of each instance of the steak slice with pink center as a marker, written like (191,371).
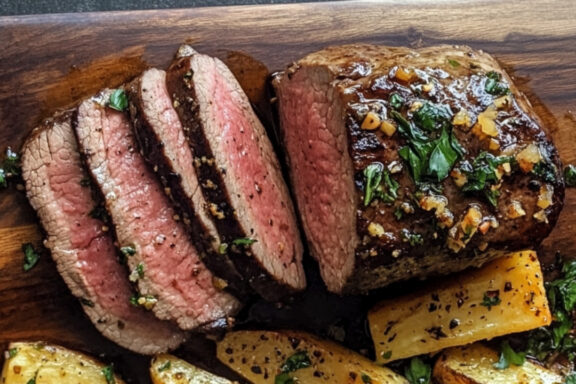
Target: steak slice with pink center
(239,175)
(58,189)
(172,280)
(165,147)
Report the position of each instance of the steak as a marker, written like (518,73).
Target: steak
(83,250)
(164,145)
(239,175)
(410,163)
(172,280)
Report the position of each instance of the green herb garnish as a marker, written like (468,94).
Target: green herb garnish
(128,250)
(481,175)
(396,100)
(223,248)
(31,257)
(386,355)
(398,213)
(570,175)
(108,373)
(545,170)
(509,356)
(491,298)
(379,184)
(118,100)
(418,372)
(411,238)
(10,167)
(570,379)
(165,366)
(366,379)
(245,241)
(432,117)
(297,361)
(12,352)
(494,86)
(453,63)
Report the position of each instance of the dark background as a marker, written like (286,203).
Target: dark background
(29,7)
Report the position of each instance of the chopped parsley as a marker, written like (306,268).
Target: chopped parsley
(295,362)
(108,372)
(426,156)
(570,175)
(366,379)
(223,248)
(12,352)
(418,372)
(557,338)
(140,270)
(379,184)
(509,356)
(165,366)
(128,250)
(570,379)
(118,100)
(10,167)
(481,175)
(31,257)
(411,238)
(545,170)
(491,298)
(245,241)
(453,63)
(396,100)
(494,85)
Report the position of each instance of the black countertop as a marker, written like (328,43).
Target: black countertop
(29,7)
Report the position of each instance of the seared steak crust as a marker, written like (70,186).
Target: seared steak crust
(172,280)
(60,192)
(219,129)
(461,167)
(165,147)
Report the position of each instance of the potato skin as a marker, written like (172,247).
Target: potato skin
(505,296)
(473,364)
(259,356)
(168,369)
(49,364)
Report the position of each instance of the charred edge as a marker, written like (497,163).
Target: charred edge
(229,227)
(150,146)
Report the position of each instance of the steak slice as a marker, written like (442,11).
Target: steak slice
(84,253)
(410,163)
(172,280)
(164,145)
(239,175)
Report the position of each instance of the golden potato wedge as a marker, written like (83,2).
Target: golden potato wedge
(473,364)
(505,296)
(261,356)
(168,369)
(41,363)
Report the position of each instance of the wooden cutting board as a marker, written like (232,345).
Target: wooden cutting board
(50,61)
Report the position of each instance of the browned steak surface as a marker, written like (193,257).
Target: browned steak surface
(164,145)
(409,163)
(59,190)
(239,175)
(172,280)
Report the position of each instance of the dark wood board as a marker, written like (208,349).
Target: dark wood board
(50,61)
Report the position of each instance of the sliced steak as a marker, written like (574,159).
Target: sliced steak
(164,145)
(409,163)
(172,280)
(239,175)
(84,252)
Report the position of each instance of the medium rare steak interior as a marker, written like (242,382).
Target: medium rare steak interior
(239,175)
(172,280)
(59,190)
(409,163)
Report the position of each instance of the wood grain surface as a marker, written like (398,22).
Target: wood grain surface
(50,62)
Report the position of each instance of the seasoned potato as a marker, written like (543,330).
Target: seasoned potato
(473,364)
(168,369)
(505,296)
(42,363)
(276,357)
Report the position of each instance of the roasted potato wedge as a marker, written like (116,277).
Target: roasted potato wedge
(168,369)
(505,296)
(266,357)
(473,364)
(41,363)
